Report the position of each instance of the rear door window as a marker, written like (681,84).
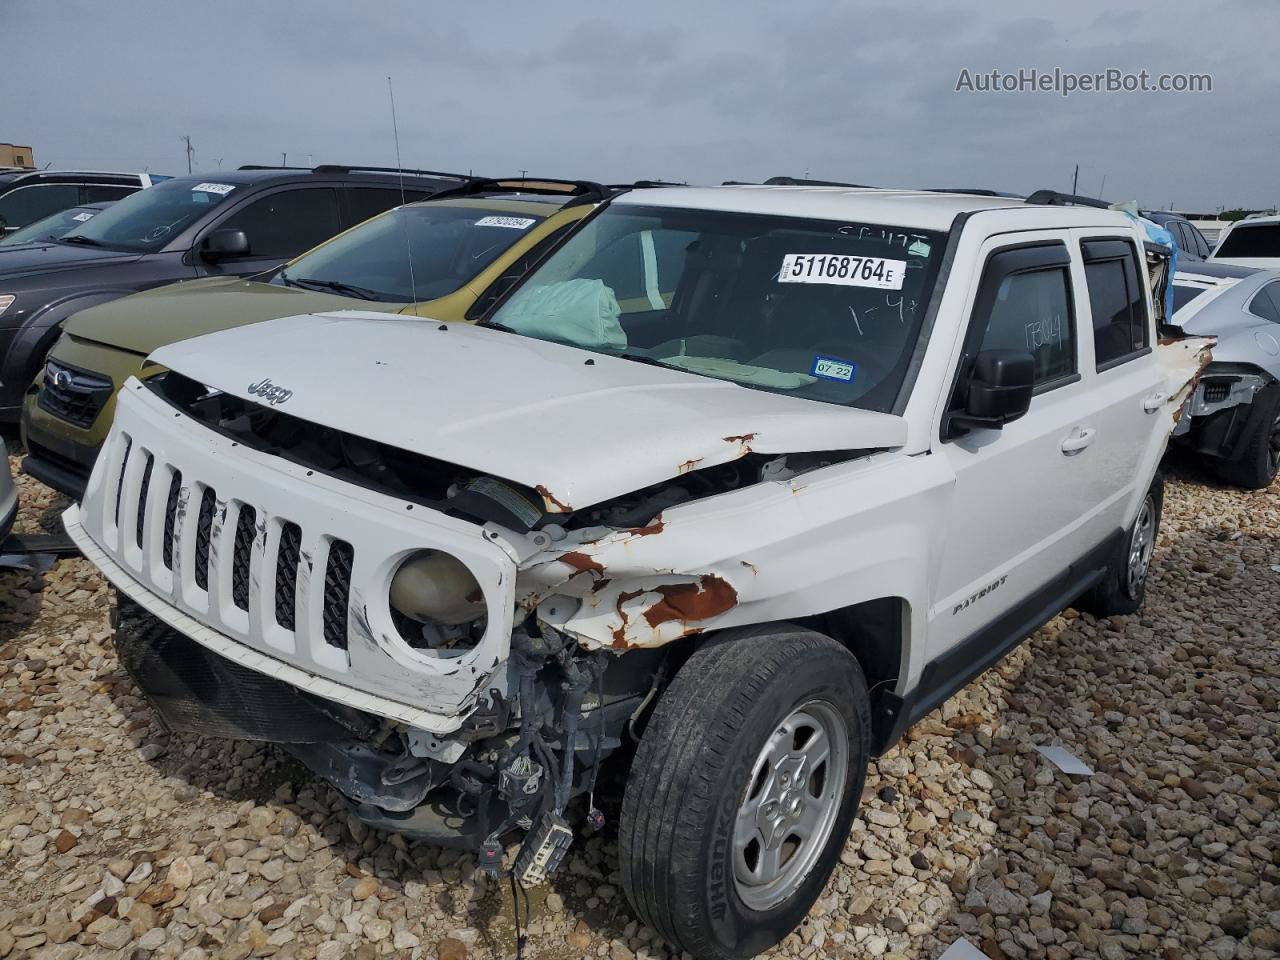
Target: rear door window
(284,224)
(1202,245)
(1121,324)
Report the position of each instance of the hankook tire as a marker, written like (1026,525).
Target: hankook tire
(743,790)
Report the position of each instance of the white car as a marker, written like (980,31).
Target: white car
(757,475)
(1251,242)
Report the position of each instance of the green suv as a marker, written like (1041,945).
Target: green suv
(448,258)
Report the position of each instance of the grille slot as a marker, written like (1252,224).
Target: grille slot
(288,556)
(171,517)
(337,593)
(124,465)
(204,533)
(246,527)
(76,396)
(142,497)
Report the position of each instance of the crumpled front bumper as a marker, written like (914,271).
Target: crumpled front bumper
(141,524)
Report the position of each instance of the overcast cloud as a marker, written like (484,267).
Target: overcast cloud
(699,91)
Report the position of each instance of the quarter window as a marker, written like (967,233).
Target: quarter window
(1116,300)
(1266,303)
(1032,314)
(282,225)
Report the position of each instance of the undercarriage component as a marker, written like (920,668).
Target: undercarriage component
(197,691)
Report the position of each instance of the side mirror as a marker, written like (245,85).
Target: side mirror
(1000,388)
(225,245)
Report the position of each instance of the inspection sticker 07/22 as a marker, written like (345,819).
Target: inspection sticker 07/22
(833,368)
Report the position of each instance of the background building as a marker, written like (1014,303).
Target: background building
(12,155)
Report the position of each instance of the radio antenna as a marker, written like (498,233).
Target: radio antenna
(404,219)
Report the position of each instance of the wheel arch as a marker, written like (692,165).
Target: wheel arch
(878,634)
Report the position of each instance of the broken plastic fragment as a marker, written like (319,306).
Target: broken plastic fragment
(962,949)
(1065,761)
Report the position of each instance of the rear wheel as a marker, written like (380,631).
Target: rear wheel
(743,790)
(1257,457)
(1124,586)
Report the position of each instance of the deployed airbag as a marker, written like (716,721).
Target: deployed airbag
(582,312)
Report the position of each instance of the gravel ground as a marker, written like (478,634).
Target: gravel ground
(117,839)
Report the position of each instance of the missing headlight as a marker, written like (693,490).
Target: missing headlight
(437,603)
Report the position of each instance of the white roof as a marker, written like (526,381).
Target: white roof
(920,209)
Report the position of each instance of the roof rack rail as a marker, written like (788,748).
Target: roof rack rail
(361,168)
(578,192)
(975,192)
(1055,199)
(267,166)
(803,182)
(647,184)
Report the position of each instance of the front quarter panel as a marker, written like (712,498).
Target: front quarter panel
(814,543)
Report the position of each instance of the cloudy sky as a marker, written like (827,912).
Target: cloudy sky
(696,90)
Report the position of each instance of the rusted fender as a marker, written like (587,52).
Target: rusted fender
(644,612)
(1183,361)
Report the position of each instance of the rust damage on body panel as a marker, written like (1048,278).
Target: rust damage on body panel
(581,562)
(551,502)
(678,603)
(690,464)
(1184,361)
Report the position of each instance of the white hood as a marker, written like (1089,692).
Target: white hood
(579,427)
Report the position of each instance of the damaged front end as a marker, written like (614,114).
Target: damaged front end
(441,645)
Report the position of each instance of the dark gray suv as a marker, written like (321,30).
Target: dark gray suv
(229,223)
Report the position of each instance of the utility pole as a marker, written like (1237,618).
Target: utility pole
(284,159)
(1075,179)
(1102,189)
(189,152)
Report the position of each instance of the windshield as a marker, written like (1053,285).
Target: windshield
(50,227)
(147,220)
(1183,294)
(1262,240)
(821,309)
(449,244)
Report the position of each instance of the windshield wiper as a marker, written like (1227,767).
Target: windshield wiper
(642,358)
(364,293)
(87,241)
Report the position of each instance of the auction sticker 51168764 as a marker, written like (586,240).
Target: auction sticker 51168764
(843,270)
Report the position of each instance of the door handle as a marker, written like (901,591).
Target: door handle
(1078,440)
(1154,402)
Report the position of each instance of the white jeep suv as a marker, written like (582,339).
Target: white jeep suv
(755,476)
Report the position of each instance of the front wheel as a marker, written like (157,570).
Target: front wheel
(743,790)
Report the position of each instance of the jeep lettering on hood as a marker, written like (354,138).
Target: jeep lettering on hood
(270,392)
